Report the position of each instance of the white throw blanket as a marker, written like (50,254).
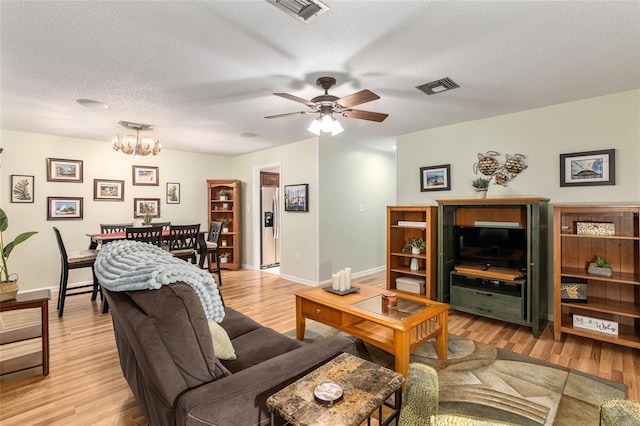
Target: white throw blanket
(132,265)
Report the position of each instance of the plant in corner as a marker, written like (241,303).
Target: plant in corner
(415,242)
(599,266)
(8,287)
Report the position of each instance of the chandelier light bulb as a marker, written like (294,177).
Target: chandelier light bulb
(314,127)
(134,144)
(337,128)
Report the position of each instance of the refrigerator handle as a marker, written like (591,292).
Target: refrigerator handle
(276,221)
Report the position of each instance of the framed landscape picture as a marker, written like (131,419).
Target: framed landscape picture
(296,198)
(61,208)
(588,168)
(435,178)
(22,189)
(145,176)
(60,170)
(108,190)
(173,193)
(142,206)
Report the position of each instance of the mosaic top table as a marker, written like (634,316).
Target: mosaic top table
(366,387)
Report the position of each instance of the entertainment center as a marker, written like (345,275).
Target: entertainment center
(491,258)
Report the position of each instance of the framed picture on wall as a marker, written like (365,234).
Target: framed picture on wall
(435,178)
(173,193)
(108,190)
(296,198)
(588,168)
(143,206)
(22,189)
(60,170)
(145,176)
(61,208)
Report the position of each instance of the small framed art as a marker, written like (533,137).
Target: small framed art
(435,178)
(146,206)
(145,176)
(173,193)
(588,168)
(22,188)
(60,208)
(573,290)
(108,190)
(296,198)
(60,170)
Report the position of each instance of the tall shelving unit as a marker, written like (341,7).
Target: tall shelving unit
(614,299)
(219,210)
(424,224)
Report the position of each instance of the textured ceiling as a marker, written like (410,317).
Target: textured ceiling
(203,72)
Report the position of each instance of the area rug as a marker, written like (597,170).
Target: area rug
(495,384)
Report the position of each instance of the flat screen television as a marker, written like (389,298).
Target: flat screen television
(501,247)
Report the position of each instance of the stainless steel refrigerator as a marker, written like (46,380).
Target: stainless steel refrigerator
(270,218)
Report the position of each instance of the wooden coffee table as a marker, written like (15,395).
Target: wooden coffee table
(398,330)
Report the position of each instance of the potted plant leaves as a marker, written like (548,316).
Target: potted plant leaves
(9,286)
(224,257)
(481,185)
(415,245)
(223,194)
(599,266)
(225,225)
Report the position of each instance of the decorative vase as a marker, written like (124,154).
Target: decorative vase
(8,290)
(225,230)
(224,243)
(224,260)
(481,193)
(597,270)
(223,198)
(414,264)
(415,250)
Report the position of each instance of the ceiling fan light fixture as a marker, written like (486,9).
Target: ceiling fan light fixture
(134,144)
(337,128)
(315,126)
(302,10)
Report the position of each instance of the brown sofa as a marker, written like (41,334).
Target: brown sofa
(167,357)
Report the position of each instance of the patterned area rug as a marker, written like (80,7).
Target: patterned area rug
(492,383)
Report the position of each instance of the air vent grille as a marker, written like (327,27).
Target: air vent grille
(438,86)
(302,10)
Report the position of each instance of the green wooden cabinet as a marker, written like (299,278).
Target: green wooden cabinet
(492,256)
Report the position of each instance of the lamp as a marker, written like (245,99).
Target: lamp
(134,144)
(326,124)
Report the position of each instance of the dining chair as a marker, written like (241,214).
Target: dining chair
(146,234)
(76,260)
(183,241)
(210,247)
(113,228)
(165,225)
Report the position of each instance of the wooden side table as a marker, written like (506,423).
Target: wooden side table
(28,300)
(366,387)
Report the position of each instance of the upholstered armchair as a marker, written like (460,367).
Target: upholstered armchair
(617,412)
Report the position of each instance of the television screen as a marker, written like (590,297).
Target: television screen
(502,247)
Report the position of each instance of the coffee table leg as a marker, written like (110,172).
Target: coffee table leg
(300,321)
(402,352)
(443,336)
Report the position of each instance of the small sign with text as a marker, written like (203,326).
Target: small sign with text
(596,324)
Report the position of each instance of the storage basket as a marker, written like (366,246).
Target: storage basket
(8,290)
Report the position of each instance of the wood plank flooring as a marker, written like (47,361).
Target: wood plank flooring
(85,385)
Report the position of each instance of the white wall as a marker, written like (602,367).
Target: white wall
(356,185)
(541,135)
(37,260)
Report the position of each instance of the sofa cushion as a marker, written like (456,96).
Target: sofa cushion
(236,324)
(222,346)
(257,346)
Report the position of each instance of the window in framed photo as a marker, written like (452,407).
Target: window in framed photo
(22,190)
(108,190)
(60,170)
(145,176)
(62,208)
(173,193)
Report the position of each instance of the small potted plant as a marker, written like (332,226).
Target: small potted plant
(9,286)
(415,245)
(223,194)
(481,185)
(599,266)
(225,225)
(224,257)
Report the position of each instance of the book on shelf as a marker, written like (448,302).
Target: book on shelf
(410,223)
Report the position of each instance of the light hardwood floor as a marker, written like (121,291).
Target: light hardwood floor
(86,387)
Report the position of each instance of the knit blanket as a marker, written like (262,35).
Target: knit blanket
(133,265)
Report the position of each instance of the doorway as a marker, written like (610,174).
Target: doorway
(267,212)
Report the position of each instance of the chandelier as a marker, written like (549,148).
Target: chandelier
(134,144)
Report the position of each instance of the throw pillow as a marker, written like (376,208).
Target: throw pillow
(222,346)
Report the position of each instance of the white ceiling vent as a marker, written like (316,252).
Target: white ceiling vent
(303,10)
(438,86)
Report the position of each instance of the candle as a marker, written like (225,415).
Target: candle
(343,282)
(347,273)
(336,281)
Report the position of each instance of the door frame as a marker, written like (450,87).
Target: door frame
(257,228)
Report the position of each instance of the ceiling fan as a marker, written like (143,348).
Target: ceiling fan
(328,104)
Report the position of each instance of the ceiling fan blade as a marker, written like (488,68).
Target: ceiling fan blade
(365,115)
(295,99)
(358,98)
(289,113)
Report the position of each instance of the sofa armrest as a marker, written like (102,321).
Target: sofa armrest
(239,399)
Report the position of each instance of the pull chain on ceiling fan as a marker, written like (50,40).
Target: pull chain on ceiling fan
(327,104)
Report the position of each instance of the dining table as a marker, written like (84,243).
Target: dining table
(102,238)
